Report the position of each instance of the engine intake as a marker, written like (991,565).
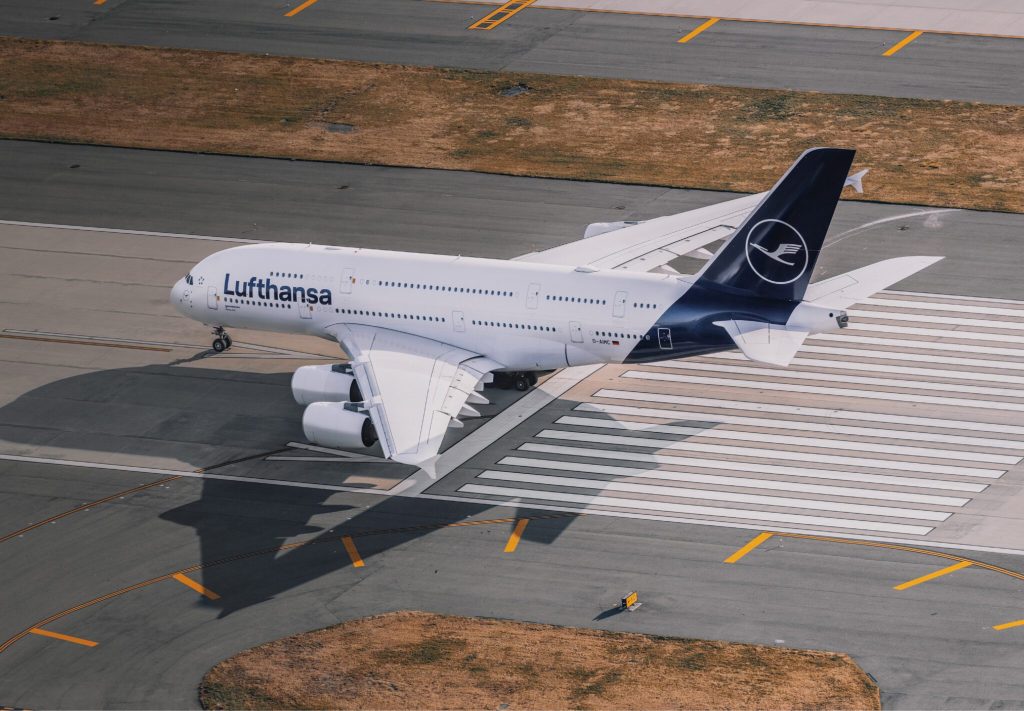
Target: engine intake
(325,383)
(334,424)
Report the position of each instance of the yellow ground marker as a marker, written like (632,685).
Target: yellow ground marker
(503,13)
(1008,625)
(698,30)
(517,533)
(754,543)
(205,592)
(99,2)
(64,637)
(902,43)
(296,10)
(350,546)
(931,576)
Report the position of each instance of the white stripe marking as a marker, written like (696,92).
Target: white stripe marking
(769,438)
(782,454)
(856,338)
(717,480)
(742,514)
(710,495)
(971,363)
(142,233)
(885,368)
(801,425)
(935,332)
(789,373)
(952,308)
(683,461)
(941,320)
(826,413)
(817,390)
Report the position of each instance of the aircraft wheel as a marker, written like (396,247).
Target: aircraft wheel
(522,382)
(219,345)
(227,341)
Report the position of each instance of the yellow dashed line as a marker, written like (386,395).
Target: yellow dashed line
(350,546)
(902,43)
(931,576)
(63,637)
(517,533)
(698,30)
(205,592)
(754,543)
(292,13)
(504,12)
(1008,625)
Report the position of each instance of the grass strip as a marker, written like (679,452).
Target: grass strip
(920,151)
(416,660)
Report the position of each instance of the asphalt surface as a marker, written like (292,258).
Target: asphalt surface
(153,398)
(550,41)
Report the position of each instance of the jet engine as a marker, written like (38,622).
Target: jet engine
(338,424)
(325,383)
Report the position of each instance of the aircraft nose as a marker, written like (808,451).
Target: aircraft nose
(177,297)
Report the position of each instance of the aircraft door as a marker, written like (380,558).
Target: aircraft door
(459,321)
(305,310)
(665,339)
(347,280)
(533,296)
(619,305)
(212,298)
(576,331)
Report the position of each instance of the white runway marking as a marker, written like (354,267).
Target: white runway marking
(517,494)
(779,454)
(801,425)
(863,338)
(952,308)
(684,461)
(817,390)
(797,487)
(714,433)
(873,417)
(896,355)
(944,320)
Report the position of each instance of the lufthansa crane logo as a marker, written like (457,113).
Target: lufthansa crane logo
(776,252)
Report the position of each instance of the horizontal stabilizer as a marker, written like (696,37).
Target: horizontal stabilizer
(847,289)
(856,181)
(765,342)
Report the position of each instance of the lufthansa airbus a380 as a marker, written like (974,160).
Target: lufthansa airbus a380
(425,332)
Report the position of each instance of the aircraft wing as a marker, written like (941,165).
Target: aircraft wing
(651,244)
(414,388)
(848,289)
(765,342)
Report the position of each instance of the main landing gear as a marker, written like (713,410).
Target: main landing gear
(221,340)
(521,381)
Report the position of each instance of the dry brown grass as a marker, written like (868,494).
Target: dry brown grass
(927,152)
(415,660)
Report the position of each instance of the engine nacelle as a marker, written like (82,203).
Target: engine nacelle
(325,383)
(335,424)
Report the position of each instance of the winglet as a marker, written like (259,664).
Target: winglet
(855,181)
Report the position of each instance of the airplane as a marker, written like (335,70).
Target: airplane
(424,333)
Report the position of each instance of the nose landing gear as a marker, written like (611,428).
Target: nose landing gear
(221,340)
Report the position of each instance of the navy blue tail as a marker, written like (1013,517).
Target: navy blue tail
(773,253)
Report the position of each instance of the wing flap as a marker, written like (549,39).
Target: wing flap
(765,342)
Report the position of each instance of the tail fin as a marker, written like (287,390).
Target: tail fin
(773,253)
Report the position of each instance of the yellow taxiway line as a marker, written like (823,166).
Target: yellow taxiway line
(1008,625)
(205,592)
(350,546)
(931,576)
(63,637)
(902,43)
(754,543)
(493,19)
(296,10)
(517,533)
(696,31)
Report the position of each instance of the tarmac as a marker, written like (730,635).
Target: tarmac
(161,511)
(792,50)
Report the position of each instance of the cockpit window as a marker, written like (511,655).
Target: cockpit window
(188,279)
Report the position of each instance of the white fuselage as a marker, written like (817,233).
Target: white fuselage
(523,315)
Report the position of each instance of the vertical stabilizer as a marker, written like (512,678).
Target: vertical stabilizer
(773,253)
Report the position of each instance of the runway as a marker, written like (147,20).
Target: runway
(159,503)
(606,44)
